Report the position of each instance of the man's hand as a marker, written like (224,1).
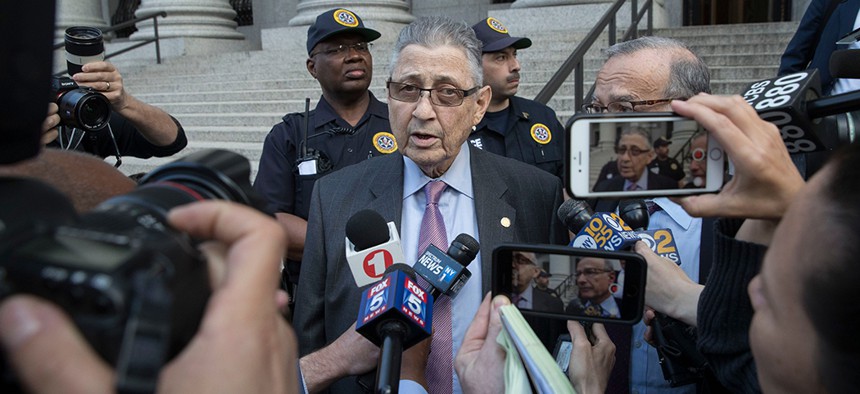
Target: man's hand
(241,321)
(106,79)
(765,179)
(349,354)
(590,365)
(669,289)
(153,123)
(51,123)
(480,363)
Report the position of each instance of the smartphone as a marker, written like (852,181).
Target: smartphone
(583,284)
(611,155)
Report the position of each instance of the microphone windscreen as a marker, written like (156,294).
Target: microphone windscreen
(367,228)
(464,249)
(575,214)
(634,213)
(409,271)
(843,63)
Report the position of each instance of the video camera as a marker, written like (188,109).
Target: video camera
(135,287)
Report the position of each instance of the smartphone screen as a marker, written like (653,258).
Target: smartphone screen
(571,283)
(642,155)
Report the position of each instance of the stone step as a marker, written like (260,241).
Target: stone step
(228,119)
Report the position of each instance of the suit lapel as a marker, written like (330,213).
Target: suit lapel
(491,211)
(387,195)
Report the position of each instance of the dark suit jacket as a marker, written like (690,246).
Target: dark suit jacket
(655,182)
(327,299)
(804,52)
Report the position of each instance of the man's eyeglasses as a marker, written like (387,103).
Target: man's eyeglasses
(621,106)
(634,151)
(590,272)
(342,49)
(445,97)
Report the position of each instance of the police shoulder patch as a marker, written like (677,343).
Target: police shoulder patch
(384,142)
(541,134)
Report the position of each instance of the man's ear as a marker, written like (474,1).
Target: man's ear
(311,65)
(484,95)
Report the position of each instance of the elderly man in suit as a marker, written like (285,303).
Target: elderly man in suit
(435,187)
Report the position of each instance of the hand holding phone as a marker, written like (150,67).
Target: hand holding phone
(642,154)
(765,180)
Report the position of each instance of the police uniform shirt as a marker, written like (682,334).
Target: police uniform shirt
(278,180)
(532,135)
(668,168)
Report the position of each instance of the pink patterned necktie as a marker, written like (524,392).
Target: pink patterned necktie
(439,363)
(632,187)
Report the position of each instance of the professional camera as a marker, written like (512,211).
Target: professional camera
(80,107)
(135,287)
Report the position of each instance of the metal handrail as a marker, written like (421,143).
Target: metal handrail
(154,16)
(573,64)
(563,287)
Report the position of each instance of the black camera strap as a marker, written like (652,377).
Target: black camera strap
(145,342)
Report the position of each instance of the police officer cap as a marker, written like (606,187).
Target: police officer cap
(662,141)
(544,274)
(495,36)
(338,21)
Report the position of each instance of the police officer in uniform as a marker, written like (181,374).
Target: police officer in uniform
(663,164)
(515,127)
(347,126)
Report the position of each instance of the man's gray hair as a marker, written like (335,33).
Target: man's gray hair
(437,31)
(635,130)
(688,75)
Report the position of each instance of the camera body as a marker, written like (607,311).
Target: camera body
(135,287)
(137,284)
(80,107)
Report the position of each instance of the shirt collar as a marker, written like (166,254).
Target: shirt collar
(642,182)
(458,176)
(675,212)
(325,114)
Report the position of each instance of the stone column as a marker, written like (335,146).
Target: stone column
(78,13)
(188,18)
(396,11)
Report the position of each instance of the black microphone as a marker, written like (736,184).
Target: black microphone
(395,314)
(446,272)
(634,213)
(371,246)
(575,214)
(843,63)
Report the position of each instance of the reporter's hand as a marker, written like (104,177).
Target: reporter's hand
(349,354)
(241,321)
(105,78)
(51,123)
(590,365)
(668,288)
(480,363)
(648,319)
(765,179)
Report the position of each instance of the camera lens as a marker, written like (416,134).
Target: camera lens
(210,174)
(83,45)
(84,109)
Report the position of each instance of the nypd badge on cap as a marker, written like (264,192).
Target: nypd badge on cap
(495,37)
(338,21)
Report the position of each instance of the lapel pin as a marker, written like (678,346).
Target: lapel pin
(506,222)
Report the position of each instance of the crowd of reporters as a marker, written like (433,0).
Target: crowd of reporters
(773,315)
